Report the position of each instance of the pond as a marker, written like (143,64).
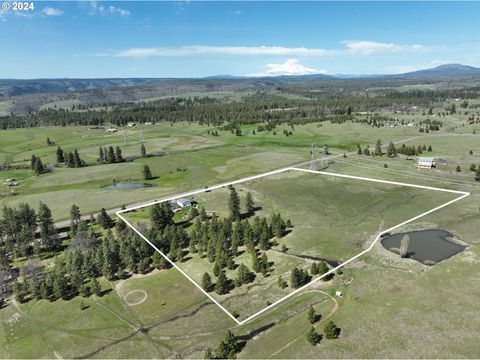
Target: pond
(123,186)
(426,246)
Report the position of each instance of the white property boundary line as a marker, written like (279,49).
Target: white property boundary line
(462,194)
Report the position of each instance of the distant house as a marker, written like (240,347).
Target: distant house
(148,123)
(183,203)
(112,130)
(132,124)
(426,162)
(175,207)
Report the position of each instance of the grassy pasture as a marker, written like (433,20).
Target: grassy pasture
(333,219)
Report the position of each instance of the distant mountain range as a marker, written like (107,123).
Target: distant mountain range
(446,70)
(15,87)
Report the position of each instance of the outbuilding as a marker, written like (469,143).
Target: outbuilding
(426,162)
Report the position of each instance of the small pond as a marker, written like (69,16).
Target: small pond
(426,246)
(122,186)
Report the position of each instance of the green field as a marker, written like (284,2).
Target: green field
(390,308)
(333,219)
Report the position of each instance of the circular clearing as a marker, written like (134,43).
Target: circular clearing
(135,297)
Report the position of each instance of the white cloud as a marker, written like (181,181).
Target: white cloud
(104,10)
(350,48)
(49,11)
(363,47)
(237,12)
(219,50)
(289,67)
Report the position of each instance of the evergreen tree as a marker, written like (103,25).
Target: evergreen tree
(282,284)
(70,161)
(249,205)
(104,220)
(75,217)
(244,275)
(312,315)
(110,157)
(359,150)
(228,347)
(234,204)
(313,337)
(48,233)
(60,155)
(33,160)
(38,167)
(143,151)
(458,168)
(391,149)
(147,174)
(101,155)
(322,267)
(221,287)
(330,330)
(206,282)
(161,215)
(378,148)
(477,174)
(118,155)
(429,148)
(77,162)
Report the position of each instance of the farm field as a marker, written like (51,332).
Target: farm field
(193,159)
(333,220)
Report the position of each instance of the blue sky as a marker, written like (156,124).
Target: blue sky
(195,39)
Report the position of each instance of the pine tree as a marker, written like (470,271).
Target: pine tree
(60,155)
(147,174)
(118,155)
(48,233)
(359,150)
(244,275)
(143,151)
(33,160)
(312,315)
(70,161)
(458,168)
(110,157)
(313,337)
(249,205)
(378,148)
(206,282)
(104,220)
(282,284)
(101,155)
(228,347)
(221,287)
(322,267)
(161,215)
(477,174)
(391,149)
(234,204)
(38,167)
(75,217)
(77,162)
(330,330)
